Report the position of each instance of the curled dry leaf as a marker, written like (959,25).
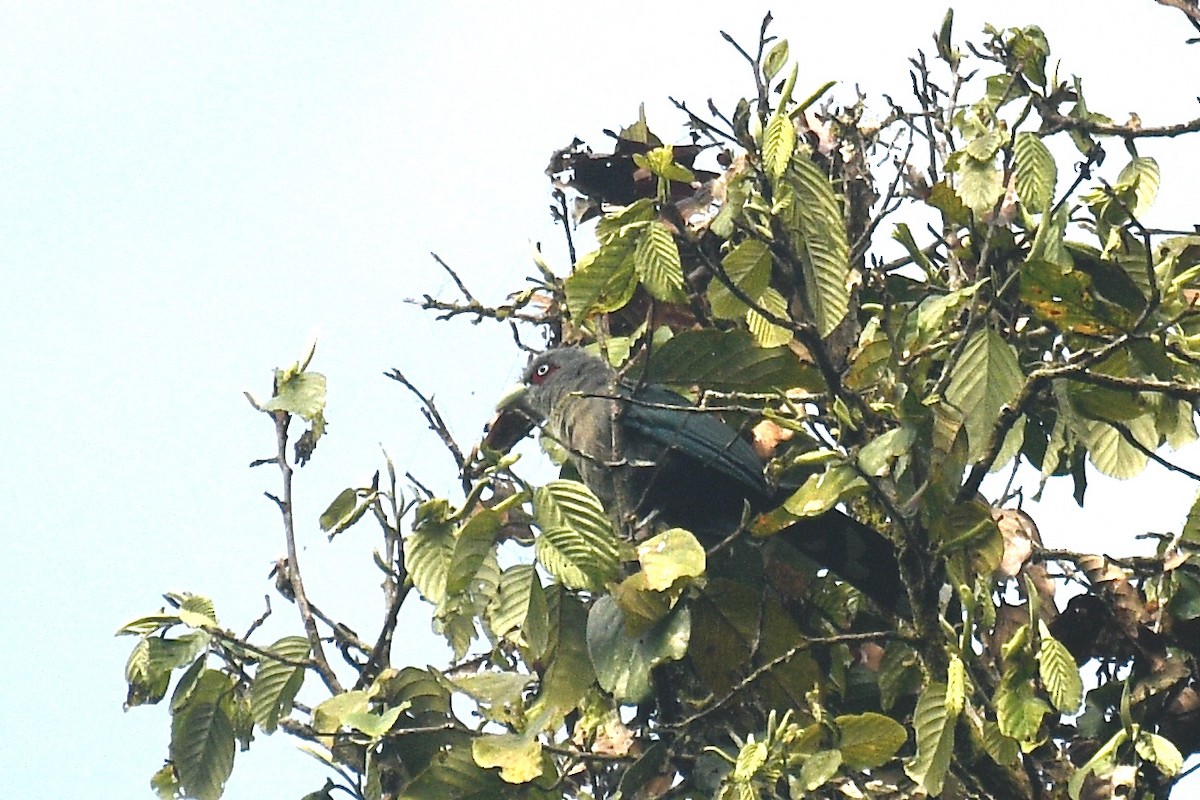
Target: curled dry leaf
(768,436)
(1020,535)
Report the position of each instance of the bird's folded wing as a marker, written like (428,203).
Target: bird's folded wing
(671,421)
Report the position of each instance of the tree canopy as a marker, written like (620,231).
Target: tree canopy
(893,304)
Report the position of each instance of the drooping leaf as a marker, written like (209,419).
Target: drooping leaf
(818,768)
(570,672)
(980,184)
(1059,674)
(277,682)
(656,261)
(748,266)
(622,661)
(1112,453)
(869,740)
(1035,171)
(202,737)
(765,332)
(428,551)
(1159,751)
(823,245)
(933,728)
(577,544)
(986,378)
(471,546)
(518,757)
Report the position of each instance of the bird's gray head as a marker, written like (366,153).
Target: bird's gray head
(557,374)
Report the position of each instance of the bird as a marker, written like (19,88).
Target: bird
(648,454)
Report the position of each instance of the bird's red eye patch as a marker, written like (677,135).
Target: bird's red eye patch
(541,373)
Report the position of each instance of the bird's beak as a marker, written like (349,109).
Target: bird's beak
(513,398)
(513,420)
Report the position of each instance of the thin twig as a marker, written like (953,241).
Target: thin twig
(299,596)
(432,416)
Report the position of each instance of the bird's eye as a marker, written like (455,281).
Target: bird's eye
(541,372)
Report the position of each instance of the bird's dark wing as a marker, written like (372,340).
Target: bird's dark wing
(669,420)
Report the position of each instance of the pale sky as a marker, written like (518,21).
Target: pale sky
(193,191)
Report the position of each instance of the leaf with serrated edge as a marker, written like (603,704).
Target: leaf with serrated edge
(656,259)
(1036,174)
(824,246)
(765,332)
(779,140)
(1059,673)
(577,544)
(276,682)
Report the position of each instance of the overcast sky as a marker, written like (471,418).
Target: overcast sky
(191,192)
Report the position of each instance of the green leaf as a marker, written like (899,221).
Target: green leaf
(985,146)
(518,757)
(1059,673)
(452,774)
(165,784)
(623,661)
(344,511)
(661,161)
(1160,752)
(297,392)
(569,673)
(1019,711)
(330,715)
(933,728)
(493,688)
(824,246)
(1101,761)
(374,726)
(509,610)
(1142,176)
(276,683)
(1191,526)
(428,551)
(779,142)
(765,332)
(823,491)
(1003,750)
(777,56)
(986,379)
(196,611)
(1035,172)
(669,556)
(656,260)
(819,768)
(577,544)
(748,266)
(604,280)
(1185,596)
(202,738)
(869,740)
(728,361)
(471,546)
(1112,454)
(980,185)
